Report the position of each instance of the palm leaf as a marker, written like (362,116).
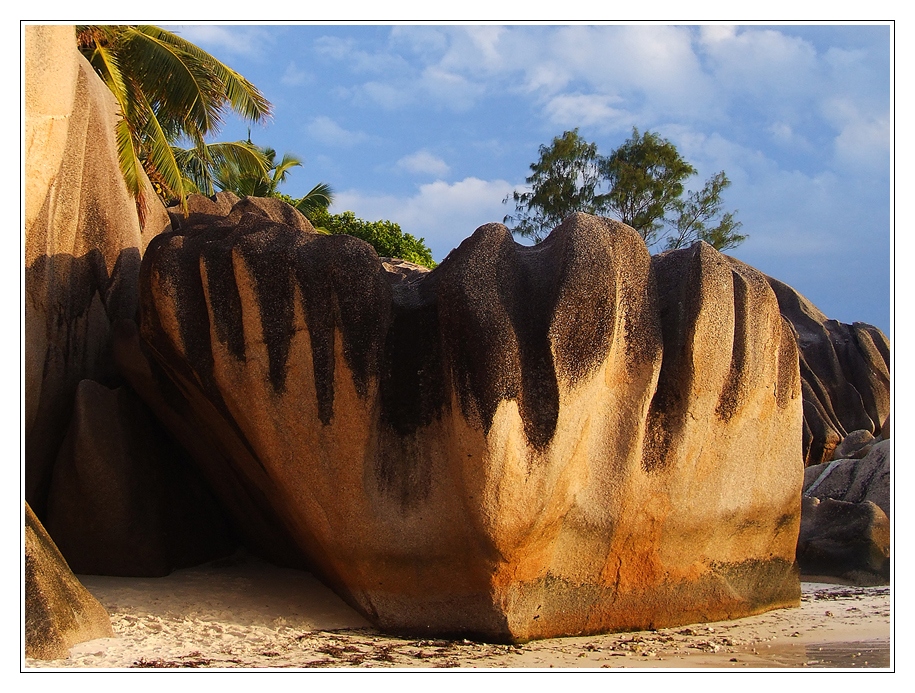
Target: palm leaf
(281,170)
(159,156)
(231,88)
(168,89)
(184,98)
(319,197)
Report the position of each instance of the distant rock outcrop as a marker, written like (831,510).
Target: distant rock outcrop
(521,443)
(846,376)
(59,611)
(853,480)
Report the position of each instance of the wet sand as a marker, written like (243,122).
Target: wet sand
(244,613)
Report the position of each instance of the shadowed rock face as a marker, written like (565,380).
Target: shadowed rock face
(125,500)
(83,241)
(845,371)
(522,443)
(846,540)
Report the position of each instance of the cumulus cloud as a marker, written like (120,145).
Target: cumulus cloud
(249,42)
(442,213)
(295,76)
(573,110)
(762,63)
(424,162)
(327,131)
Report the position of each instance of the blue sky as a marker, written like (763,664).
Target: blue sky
(432,126)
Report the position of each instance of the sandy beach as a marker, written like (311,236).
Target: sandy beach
(243,613)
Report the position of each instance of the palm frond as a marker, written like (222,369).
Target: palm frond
(184,97)
(281,170)
(168,89)
(159,155)
(319,197)
(243,97)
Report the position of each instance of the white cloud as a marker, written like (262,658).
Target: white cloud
(863,145)
(760,62)
(424,161)
(573,110)
(387,96)
(442,213)
(249,42)
(327,131)
(347,51)
(451,89)
(295,76)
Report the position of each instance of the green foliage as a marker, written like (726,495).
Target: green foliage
(694,214)
(640,182)
(168,90)
(249,178)
(645,176)
(563,181)
(385,236)
(201,166)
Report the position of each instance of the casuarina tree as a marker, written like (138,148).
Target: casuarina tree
(641,183)
(563,181)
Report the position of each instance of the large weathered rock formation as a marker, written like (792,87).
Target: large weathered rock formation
(83,241)
(83,244)
(846,376)
(524,442)
(59,611)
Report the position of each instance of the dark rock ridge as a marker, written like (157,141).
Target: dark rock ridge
(522,443)
(846,376)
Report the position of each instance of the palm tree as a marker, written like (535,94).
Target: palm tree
(168,90)
(200,166)
(319,197)
(243,178)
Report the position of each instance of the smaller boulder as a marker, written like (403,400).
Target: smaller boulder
(59,611)
(854,446)
(201,206)
(850,541)
(853,480)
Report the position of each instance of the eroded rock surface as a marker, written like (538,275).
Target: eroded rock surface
(846,376)
(846,540)
(59,611)
(522,443)
(83,241)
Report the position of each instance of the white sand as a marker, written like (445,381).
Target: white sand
(244,613)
